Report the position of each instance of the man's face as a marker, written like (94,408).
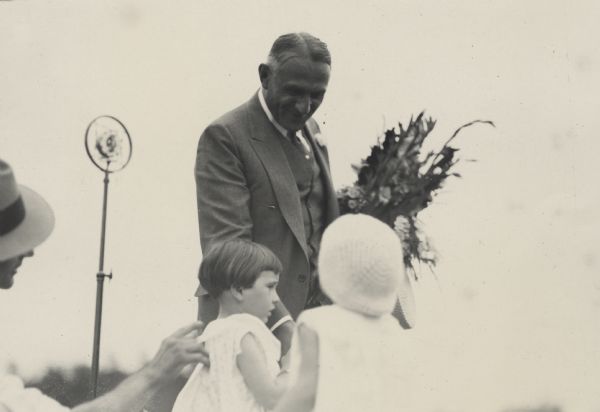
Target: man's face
(260,299)
(295,90)
(8,269)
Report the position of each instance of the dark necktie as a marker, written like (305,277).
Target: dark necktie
(298,143)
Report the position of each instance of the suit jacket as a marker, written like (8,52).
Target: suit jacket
(246,189)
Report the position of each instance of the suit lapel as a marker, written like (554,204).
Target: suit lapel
(266,141)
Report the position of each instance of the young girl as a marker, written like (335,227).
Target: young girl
(351,353)
(244,374)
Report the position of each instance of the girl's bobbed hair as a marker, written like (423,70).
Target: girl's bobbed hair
(235,264)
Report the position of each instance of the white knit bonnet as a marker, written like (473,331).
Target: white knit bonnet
(361,266)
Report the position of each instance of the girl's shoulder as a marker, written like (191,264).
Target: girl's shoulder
(235,327)
(323,317)
(240,321)
(310,315)
(329,313)
(335,319)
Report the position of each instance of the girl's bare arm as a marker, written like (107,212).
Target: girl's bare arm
(302,394)
(251,363)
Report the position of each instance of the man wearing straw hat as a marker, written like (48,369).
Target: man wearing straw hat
(26,220)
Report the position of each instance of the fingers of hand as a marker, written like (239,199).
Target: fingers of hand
(186,349)
(187,370)
(194,327)
(197,353)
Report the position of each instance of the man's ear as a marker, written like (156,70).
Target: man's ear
(264,73)
(237,293)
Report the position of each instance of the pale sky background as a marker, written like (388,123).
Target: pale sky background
(512,316)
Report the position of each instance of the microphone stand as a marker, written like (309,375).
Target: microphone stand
(108,145)
(99,291)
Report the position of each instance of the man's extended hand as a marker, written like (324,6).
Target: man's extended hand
(284,333)
(178,351)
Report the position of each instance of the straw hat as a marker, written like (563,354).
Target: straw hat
(361,268)
(26,219)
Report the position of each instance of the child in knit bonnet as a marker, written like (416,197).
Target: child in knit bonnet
(350,353)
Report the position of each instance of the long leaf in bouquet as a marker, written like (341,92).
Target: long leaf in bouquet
(395,182)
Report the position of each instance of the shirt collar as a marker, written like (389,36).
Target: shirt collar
(280,129)
(263,104)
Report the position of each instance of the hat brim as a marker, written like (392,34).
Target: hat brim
(32,231)
(405,309)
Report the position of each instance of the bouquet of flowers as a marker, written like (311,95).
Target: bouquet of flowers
(395,182)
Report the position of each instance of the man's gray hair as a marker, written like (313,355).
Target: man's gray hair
(299,44)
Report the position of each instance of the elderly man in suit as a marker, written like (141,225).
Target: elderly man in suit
(262,173)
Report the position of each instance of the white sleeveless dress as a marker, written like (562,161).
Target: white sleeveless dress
(221,387)
(361,361)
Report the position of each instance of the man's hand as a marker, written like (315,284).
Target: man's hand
(175,352)
(284,333)
(178,351)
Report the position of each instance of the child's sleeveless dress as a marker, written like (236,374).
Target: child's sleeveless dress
(361,361)
(221,387)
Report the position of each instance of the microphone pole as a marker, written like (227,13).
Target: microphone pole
(99,293)
(108,145)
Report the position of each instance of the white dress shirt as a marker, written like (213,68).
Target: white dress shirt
(280,128)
